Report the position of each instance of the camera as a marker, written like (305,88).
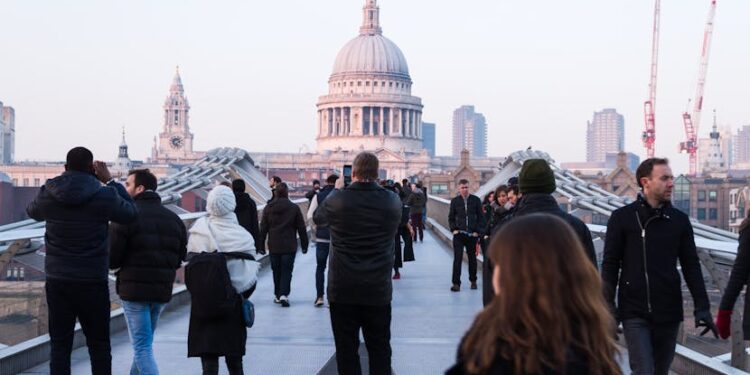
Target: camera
(347,174)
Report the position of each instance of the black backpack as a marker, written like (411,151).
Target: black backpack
(211,291)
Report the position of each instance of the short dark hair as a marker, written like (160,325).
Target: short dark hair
(514,189)
(405,181)
(238,185)
(646,167)
(366,166)
(144,177)
(226,183)
(316,182)
(282,190)
(463,181)
(276,179)
(79,159)
(332,179)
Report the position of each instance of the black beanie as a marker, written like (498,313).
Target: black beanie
(536,177)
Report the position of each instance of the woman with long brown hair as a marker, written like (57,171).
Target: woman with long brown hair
(548,315)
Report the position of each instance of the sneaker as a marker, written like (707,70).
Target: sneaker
(276,300)
(474,285)
(396,276)
(284,301)
(455,288)
(319,302)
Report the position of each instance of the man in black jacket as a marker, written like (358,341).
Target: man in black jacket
(77,210)
(322,238)
(315,189)
(645,239)
(363,219)
(282,221)
(246,210)
(145,255)
(466,222)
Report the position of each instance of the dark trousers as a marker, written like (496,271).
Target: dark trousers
(375,322)
(282,266)
(461,241)
(418,224)
(211,365)
(650,346)
(408,250)
(321,257)
(89,302)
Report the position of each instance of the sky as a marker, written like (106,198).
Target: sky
(77,72)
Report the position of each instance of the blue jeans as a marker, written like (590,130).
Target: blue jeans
(142,318)
(651,346)
(321,256)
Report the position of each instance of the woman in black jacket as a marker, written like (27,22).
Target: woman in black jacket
(737,280)
(530,327)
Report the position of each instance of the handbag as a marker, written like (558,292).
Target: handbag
(248,308)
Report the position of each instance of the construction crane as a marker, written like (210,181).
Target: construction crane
(649,107)
(692,122)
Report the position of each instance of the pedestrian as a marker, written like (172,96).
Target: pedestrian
(224,333)
(548,315)
(363,219)
(405,232)
(315,189)
(272,183)
(645,239)
(77,210)
(281,223)
(417,202)
(246,210)
(323,239)
(467,224)
(145,255)
(737,280)
(500,209)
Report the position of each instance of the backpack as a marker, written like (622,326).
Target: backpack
(207,280)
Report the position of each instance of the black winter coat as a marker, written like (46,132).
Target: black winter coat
(363,219)
(77,210)
(739,277)
(321,231)
(416,202)
(282,221)
(643,269)
(545,203)
(247,215)
(147,251)
(466,214)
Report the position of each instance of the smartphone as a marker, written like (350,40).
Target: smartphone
(347,175)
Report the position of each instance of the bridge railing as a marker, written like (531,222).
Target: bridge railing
(24,342)
(693,355)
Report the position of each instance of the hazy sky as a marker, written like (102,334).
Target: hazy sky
(77,71)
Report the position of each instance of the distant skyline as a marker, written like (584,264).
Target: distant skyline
(77,72)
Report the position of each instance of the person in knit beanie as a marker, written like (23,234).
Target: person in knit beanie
(536,177)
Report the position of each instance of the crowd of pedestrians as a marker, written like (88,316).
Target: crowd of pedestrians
(547,309)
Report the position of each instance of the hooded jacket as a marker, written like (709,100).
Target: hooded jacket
(416,202)
(247,214)
(282,222)
(77,210)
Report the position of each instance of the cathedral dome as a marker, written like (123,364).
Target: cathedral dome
(368,54)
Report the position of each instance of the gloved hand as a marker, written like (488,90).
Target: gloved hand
(724,322)
(703,319)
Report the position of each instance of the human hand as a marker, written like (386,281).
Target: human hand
(475,234)
(724,323)
(455,232)
(101,171)
(339,184)
(703,319)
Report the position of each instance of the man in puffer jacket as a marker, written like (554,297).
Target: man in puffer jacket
(146,255)
(77,210)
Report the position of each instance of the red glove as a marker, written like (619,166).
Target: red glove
(724,322)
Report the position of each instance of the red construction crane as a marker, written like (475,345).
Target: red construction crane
(649,107)
(692,122)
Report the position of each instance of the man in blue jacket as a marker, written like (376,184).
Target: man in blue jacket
(77,210)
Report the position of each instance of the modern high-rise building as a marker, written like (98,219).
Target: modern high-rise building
(469,132)
(605,134)
(428,137)
(742,146)
(8,138)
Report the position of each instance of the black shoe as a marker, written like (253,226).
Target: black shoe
(474,285)
(284,301)
(455,288)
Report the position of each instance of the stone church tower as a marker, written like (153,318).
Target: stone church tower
(175,141)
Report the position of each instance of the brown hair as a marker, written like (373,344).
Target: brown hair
(463,181)
(530,322)
(646,167)
(144,177)
(282,190)
(365,166)
(501,189)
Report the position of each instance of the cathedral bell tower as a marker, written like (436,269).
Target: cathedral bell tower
(175,141)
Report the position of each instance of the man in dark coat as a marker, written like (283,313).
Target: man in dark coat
(273,182)
(282,221)
(363,219)
(466,222)
(77,210)
(322,238)
(145,255)
(315,189)
(417,201)
(246,210)
(645,239)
